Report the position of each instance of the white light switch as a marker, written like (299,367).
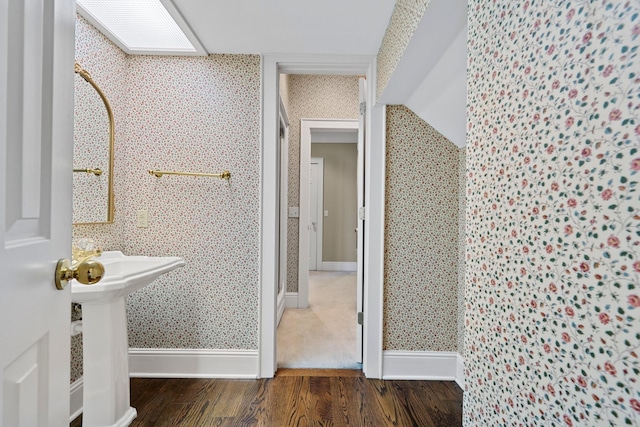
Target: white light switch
(143,219)
(294,212)
(326,213)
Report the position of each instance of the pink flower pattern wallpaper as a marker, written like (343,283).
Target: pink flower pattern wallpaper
(421,236)
(552,324)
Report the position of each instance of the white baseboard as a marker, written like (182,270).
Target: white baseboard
(182,363)
(291,300)
(339,266)
(419,365)
(460,371)
(75,404)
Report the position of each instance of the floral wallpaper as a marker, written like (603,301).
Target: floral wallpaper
(198,114)
(462,206)
(312,97)
(553,225)
(403,23)
(107,65)
(90,151)
(195,114)
(76,357)
(284,91)
(421,236)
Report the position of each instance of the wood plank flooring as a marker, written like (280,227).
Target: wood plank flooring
(295,397)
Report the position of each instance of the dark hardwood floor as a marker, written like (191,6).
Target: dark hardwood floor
(295,397)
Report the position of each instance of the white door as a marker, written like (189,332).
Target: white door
(360,222)
(315,203)
(283,195)
(36,134)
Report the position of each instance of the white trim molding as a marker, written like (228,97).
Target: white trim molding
(339,266)
(460,371)
(419,365)
(374,200)
(188,363)
(75,403)
(291,300)
(329,136)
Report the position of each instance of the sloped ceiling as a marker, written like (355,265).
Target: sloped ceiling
(288,26)
(430,77)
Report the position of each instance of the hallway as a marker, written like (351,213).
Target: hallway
(323,335)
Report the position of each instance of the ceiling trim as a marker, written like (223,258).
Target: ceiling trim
(345,65)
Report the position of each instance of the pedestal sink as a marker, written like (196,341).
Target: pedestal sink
(105,342)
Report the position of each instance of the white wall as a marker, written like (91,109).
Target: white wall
(441,98)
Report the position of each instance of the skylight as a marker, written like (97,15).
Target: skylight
(142,26)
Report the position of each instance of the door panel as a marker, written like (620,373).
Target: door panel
(36,134)
(360,229)
(283,217)
(313,216)
(316,200)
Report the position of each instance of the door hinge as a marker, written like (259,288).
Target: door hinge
(360,318)
(362,213)
(363,108)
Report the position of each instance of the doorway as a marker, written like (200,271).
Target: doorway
(335,141)
(273,66)
(346,130)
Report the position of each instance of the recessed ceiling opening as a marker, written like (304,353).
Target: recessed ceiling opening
(142,26)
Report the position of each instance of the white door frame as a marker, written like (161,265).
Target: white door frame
(306,127)
(360,171)
(284,181)
(319,212)
(272,66)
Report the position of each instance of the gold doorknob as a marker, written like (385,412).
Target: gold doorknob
(87,272)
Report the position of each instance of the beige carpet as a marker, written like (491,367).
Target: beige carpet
(323,335)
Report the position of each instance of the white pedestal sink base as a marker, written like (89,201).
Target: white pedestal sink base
(106,346)
(106,365)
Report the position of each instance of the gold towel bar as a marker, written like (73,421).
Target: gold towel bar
(223,175)
(96,172)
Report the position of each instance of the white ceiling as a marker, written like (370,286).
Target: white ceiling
(288,26)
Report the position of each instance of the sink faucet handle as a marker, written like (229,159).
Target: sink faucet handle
(84,250)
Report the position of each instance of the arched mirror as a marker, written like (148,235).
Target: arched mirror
(93,139)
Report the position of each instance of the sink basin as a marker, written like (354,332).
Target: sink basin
(106,397)
(122,275)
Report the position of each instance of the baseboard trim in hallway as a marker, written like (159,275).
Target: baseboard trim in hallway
(422,365)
